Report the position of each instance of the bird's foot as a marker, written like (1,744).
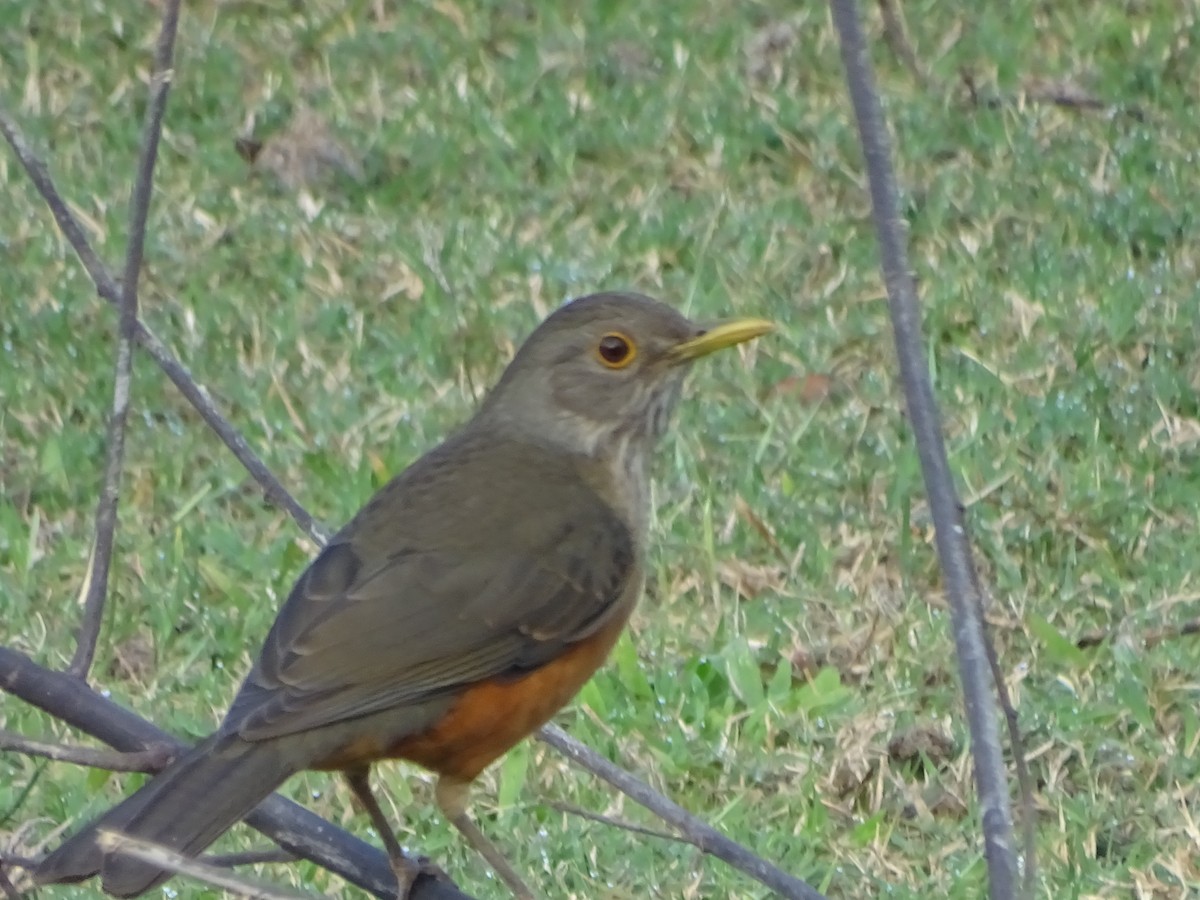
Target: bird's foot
(408,870)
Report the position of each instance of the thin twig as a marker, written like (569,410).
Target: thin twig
(11,860)
(38,173)
(272,487)
(1152,637)
(1063,95)
(1157,635)
(694,830)
(22,795)
(151,759)
(954,551)
(1024,782)
(165,858)
(139,210)
(572,810)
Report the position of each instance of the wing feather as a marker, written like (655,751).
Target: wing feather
(392,613)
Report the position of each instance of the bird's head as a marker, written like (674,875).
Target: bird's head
(605,370)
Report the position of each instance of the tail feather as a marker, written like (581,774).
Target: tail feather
(186,807)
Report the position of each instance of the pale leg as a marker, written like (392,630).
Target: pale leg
(452,800)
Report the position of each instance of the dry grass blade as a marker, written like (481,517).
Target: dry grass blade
(895,33)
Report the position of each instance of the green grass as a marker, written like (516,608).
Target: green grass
(513,155)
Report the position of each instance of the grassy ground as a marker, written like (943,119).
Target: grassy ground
(798,691)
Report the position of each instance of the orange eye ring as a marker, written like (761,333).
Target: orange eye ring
(616,350)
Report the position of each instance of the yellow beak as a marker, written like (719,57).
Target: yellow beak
(720,336)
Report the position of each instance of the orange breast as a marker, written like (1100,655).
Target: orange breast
(491,716)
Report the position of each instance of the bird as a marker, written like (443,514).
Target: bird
(463,606)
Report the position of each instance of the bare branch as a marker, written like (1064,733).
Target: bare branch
(954,551)
(694,830)
(165,858)
(143,186)
(139,211)
(152,759)
(289,825)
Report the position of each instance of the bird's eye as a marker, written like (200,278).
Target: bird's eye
(615,350)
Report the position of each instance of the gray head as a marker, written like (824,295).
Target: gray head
(604,370)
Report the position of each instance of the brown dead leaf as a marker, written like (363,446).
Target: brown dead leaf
(854,653)
(805,662)
(304,154)
(809,389)
(765,531)
(857,759)
(1025,311)
(133,658)
(1061,91)
(768,48)
(1172,432)
(924,740)
(748,579)
(942,802)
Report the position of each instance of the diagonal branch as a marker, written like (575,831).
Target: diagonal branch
(288,824)
(954,551)
(1016,740)
(694,831)
(612,822)
(107,288)
(139,211)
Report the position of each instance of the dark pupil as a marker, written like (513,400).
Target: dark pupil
(613,349)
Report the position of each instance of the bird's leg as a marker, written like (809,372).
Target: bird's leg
(452,800)
(405,867)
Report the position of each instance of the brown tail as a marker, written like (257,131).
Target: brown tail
(186,807)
